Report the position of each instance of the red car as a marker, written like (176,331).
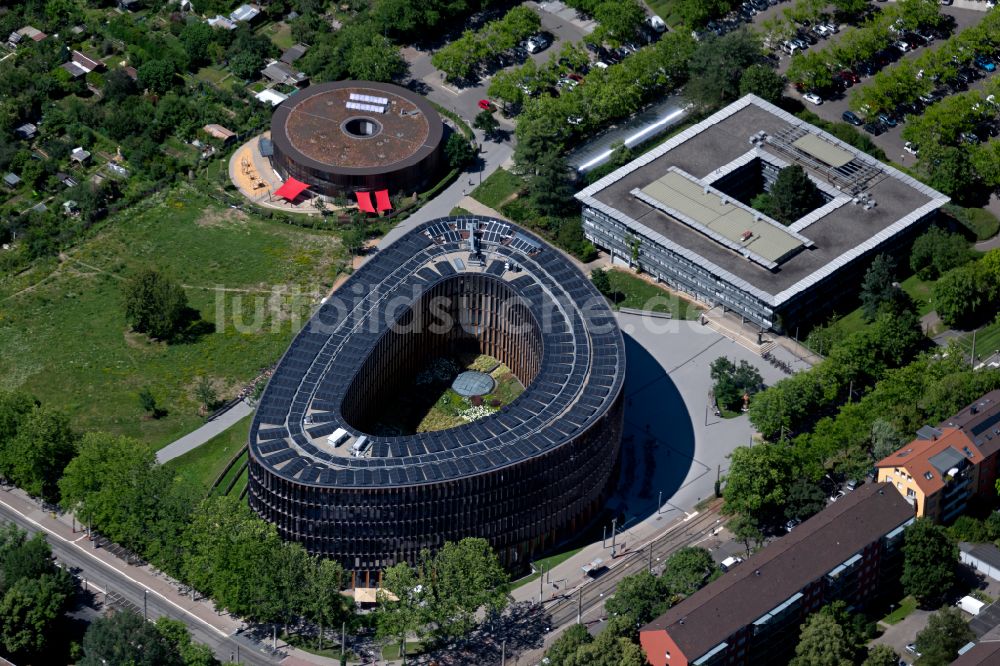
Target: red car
(848,75)
(576,77)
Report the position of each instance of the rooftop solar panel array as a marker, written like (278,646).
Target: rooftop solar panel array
(582,367)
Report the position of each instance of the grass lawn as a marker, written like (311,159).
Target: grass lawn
(309,645)
(66,341)
(204,464)
(632,291)
(211,75)
(428,403)
(546,564)
(921,292)
(458,210)
(666,10)
(906,606)
(280,35)
(987,340)
(391,651)
(497,188)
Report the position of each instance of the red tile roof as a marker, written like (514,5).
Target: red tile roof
(916,456)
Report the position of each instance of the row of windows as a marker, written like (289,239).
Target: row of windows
(521,509)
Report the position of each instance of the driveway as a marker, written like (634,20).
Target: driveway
(898,636)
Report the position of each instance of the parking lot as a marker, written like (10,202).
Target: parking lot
(832,108)
(560,21)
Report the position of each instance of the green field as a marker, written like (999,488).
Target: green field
(545,564)
(280,35)
(666,10)
(203,465)
(497,188)
(906,606)
(631,291)
(65,339)
(987,340)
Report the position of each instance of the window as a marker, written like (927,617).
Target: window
(910,493)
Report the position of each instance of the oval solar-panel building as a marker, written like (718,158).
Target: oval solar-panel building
(347,136)
(526,475)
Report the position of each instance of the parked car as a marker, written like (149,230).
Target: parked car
(812,98)
(985,64)
(887,119)
(790,525)
(730,562)
(852,118)
(901,46)
(904,109)
(538,43)
(912,649)
(575,120)
(865,68)
(970,138)
(874,128)
(848,74)
(851,485)
(760,5)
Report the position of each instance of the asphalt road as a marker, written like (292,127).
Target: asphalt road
(107,581)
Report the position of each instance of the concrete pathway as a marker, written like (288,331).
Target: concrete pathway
(494,155)
(196,438)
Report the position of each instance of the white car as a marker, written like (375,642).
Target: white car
(910,148)
(813,98)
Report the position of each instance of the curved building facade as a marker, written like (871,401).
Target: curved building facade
(349,136)
(525,477)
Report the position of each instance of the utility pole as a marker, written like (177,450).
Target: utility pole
(579,607)
(503,653)
(650,557)
(144,606)
(604,536)
(343,640)
(972,357)
(541,582)
(659,503)
(614,534)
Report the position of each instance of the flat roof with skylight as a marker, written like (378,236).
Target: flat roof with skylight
(678,196)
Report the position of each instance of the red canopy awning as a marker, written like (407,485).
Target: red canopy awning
(365,201)
(291,189)
(382,199)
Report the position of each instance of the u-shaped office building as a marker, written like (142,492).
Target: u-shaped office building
(526,477)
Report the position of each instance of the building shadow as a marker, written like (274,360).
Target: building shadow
(658,441)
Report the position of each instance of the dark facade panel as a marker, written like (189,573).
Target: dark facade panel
(525,478)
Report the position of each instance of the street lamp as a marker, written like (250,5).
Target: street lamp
(144,593)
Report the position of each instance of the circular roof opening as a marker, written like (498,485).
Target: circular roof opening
(471,383)
(361,128)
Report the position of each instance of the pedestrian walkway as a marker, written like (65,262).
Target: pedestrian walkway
(196,438)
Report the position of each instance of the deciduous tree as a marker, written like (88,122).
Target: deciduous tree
(154,304)
(688,570)
(35,457)
(30,610)
(881,655)
(822,642)
(758,480)
(945,633)
(126,638)
(640,597)
(929,562)
(764,82)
